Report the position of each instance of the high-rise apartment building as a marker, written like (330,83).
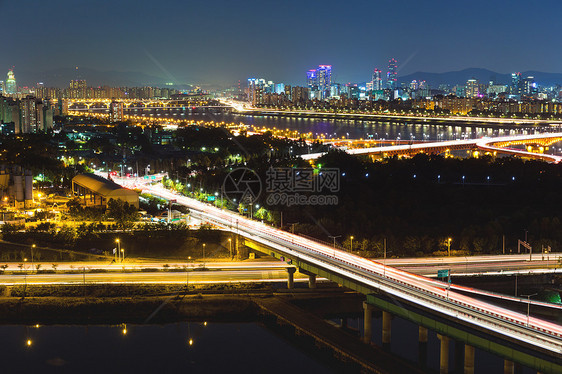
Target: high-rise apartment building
(77,89)
(377,80)
(392,75)
(116,111)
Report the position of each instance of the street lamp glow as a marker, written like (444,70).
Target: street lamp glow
(190,341)
(28,342)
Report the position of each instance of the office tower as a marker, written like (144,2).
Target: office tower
(530,86)
(319,81)
(377,80)
(11,87)
(324,77)
(516,87)
(471,89)
(311,82)
(392,75)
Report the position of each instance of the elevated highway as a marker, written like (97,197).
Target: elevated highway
(515,336)
(492,145)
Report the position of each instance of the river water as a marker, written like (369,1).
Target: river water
(215,348)
(357,129)
(241,347)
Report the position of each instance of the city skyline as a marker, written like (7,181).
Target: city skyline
(202,44)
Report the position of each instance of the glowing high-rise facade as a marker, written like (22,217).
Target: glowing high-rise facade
(11,86)
(377,80)
(319,81)
(392,75)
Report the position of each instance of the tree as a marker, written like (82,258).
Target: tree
(123,212)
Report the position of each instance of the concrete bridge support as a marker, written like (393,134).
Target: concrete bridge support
(508,367)
(468,359)
(311,278)
(290,278)
(422,346)
(240,248)
(312,281)
(367,322)
(444,354)
(386,328)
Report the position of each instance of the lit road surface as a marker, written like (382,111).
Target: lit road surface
(191,277)
(161,265)
(421,291)
(471,265)
(485,144)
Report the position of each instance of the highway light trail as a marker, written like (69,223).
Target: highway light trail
(419,290)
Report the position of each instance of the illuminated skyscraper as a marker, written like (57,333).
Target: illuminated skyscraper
(377,80)
(392,75)
(517,84)
(11,87)
(319,81)
(311,80)
(530,86)
(471,89)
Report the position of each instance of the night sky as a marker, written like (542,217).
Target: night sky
(226,40)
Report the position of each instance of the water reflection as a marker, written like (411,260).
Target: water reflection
(194,347)
(384,130)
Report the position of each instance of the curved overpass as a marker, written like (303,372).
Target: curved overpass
(369,277)
(495,144)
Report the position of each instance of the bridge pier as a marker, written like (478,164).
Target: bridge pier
(468,359)
(367,322)
(444,354)
(386,328)
(290,278)
(422,345)
(312,281)
(508,367)
(311,278)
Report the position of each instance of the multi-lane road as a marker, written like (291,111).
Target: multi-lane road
(168,277)
(422,291)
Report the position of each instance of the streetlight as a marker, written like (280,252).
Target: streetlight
(529,305)
(118,248)
(351,238)
(204,251)
(32,250)
(122,254)
(449,246)
(230,245)
(334,237)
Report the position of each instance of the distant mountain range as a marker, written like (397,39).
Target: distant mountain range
(61,77)
(482,75)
